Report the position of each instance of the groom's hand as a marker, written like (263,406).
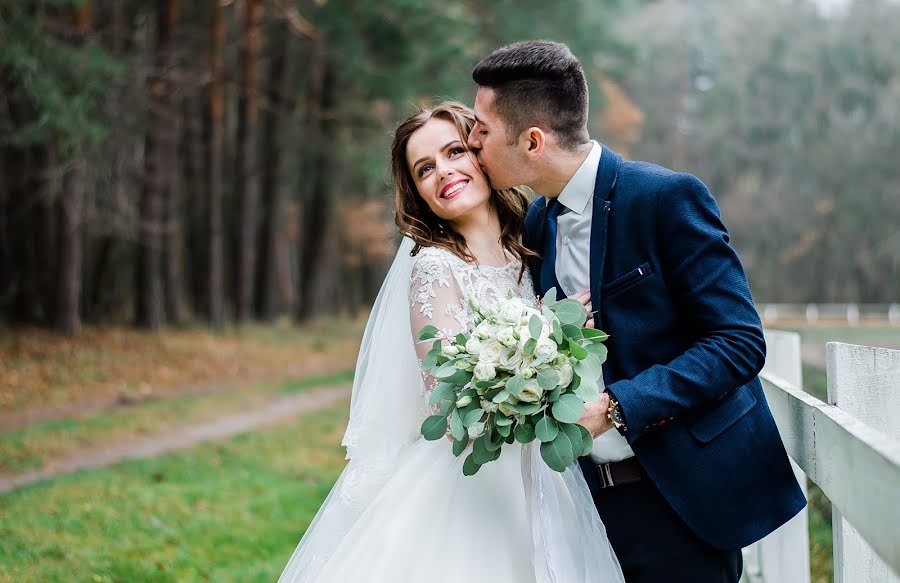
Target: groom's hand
(584,298)
(596,418)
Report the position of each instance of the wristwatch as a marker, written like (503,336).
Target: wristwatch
(615,415)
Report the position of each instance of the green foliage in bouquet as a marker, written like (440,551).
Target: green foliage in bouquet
(521,374)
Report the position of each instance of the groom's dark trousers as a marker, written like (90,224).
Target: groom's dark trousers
(685,348)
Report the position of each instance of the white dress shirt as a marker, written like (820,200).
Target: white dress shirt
(573,269)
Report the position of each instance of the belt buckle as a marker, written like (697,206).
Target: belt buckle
(605,473)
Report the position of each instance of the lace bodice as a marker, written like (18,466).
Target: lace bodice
(441,284)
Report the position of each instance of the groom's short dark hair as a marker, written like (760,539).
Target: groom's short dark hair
(537,83)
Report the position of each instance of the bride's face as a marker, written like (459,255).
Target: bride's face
(446,174)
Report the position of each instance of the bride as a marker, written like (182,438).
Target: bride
(402,510)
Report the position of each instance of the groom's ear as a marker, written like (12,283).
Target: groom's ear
(533,140)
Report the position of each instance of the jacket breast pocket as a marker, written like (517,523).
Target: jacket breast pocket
(627,280)
(722,416)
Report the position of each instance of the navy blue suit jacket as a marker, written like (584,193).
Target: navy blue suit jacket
(685,348)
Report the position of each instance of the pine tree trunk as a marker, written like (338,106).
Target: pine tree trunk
(271,299)
(246,166)
(150,290)
(215,293)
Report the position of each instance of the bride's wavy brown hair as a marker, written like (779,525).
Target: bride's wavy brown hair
(415,218)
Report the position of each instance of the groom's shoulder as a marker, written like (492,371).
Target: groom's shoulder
(643,181)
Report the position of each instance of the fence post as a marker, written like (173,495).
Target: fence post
(783,556)
(865,382)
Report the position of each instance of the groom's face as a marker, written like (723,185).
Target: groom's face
(500,161)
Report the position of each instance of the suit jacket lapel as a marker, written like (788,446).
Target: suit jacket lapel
(607,173)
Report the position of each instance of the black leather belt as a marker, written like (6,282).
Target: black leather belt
(617,473)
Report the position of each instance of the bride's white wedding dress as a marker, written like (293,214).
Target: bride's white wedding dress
(402,510)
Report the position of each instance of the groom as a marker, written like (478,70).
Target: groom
(687,465)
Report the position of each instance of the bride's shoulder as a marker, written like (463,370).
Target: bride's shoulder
(435,257)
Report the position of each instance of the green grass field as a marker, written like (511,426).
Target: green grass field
(230,511)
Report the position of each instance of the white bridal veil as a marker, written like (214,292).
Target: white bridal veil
(386,411)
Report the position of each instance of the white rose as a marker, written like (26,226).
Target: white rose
(546,349)
(488,406)
(507,337)
(565,374)
(491,352)
(511,359)
(504,408)
(473,346)
(450,351)
(531,392)
(511,311)
(484,371)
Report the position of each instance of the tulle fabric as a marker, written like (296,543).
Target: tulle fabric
(402,510)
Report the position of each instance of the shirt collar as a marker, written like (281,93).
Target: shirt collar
(580,188)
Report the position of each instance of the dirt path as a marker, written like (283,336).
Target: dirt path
(83,408)
(184,437)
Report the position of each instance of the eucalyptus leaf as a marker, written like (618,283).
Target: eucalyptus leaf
(568,408)
(504,430)
(501,420)
(546,429)
(570,312)
(501,396)
(480,452)
(588,392)
(457,430)
(589,369)
(460,378)
(574,434)
(431,359)
(548,379)
(442,391)
(528,408)
(473,417)
(459,446)
(470,468)
(494,440)
(577,350)
(515,385)
(461,339)
(587,440)
(535,326)
(573,332)
(427,332)
(434,428)
(557,331)
(554,394)
(524,433)
(595,334)
(597,349)
(530,345)
(446,371)
(558,453)
(550,297)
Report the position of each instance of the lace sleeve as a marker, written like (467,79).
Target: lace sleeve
(435,299)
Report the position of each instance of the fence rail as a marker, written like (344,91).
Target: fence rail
(851,451)
(852,314)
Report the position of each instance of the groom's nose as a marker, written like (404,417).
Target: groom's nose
(473,142)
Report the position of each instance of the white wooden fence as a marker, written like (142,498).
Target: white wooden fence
(850,314)
(850,449)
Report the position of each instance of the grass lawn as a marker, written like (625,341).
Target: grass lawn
(229,511)
(42,443)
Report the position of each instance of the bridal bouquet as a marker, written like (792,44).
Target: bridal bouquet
(521,374)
